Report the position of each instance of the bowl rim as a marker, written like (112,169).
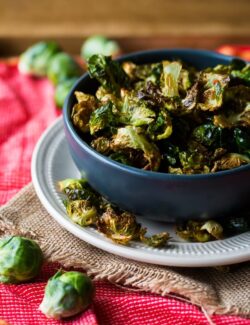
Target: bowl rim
(130,169)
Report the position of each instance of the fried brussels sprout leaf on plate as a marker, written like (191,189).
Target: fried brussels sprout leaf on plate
(86,207)
(200,231)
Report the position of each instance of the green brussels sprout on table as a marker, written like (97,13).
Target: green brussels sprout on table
(62,90)
(35,60)
(67,294)
(62,66)
(98,44)
(20,259)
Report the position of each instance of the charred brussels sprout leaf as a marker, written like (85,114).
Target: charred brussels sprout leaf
(102,118)
(214,86)
(121,158)
(62,66)
(135,112)
(230,161)
(35,60)
(108,72)
(157,240)
(82,212)
(67,294)
(120,227)
(20,259)
(161,128)
(208,135)
(102,145)
(131,138)
(82,111)
(200,231)
(243,74)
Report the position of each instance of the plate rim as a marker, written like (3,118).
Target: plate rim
(105,244)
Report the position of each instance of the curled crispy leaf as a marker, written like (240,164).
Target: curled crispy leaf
(214,85)
(162,126)
(102,145)
(102,118)
(131,137)
(120,227)
(200,231)
(229,161)
(82,212)
(157,240)
(82,110)
(170,78)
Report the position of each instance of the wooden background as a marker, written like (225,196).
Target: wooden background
(137,24)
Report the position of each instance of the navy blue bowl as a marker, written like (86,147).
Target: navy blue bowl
(155,195)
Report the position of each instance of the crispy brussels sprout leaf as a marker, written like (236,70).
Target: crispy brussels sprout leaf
(190,101)
(35,60)
(67,294)
(229,161)
(130,137)
(243,74)
(232,119)
(195,159)
(82,111)
(20,259)
(121,227)
(108,72)
(162,127)
(170,78)
(213,228)
(208,135)
(102,145)
(135,112)
(157,240)
(82,212)
(200,231)
(214,86)
(71,184)
(121,158)
(102,118)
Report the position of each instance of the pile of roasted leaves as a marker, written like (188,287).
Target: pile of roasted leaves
(86,207)
(167,116)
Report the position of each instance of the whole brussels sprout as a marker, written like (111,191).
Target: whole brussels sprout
(62,90)
(34,61)
(61,67)
(67,294)
(20,259)
(98,44)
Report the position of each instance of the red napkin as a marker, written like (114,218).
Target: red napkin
(27,108)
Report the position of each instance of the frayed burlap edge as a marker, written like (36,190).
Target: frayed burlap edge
(117,270)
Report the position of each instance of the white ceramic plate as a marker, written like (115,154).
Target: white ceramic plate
(52,162)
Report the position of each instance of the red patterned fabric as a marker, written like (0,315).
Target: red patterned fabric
(26,109)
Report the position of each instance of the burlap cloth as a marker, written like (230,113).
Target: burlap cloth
(213,291)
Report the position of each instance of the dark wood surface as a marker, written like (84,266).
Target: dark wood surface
(136,24)
(11,46)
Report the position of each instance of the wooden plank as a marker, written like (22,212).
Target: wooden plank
(50,18)
(10,46)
